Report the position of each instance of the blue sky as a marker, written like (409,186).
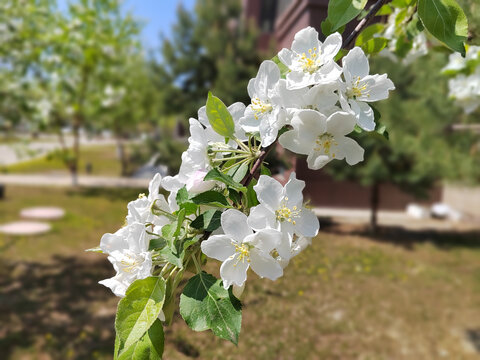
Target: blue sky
(158,16)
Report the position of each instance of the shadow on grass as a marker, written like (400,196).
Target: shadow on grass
(56,308)
(408,238)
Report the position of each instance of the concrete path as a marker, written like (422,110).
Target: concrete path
(66,181)
(393,218)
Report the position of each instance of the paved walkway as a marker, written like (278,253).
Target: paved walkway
(66,181)
(394,218)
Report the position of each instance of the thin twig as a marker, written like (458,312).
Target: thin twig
(257,164)
(364,22)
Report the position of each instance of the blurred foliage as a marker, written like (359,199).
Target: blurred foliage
(210,49)
(472,10)
(422,149)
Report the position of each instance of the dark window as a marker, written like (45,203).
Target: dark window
(267,15)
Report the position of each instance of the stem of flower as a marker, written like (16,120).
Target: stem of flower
(229,158)
(374,9)
(197,265)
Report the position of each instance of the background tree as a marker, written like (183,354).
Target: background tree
(210,49)
(422,150)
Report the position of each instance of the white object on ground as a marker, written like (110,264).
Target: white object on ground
(416,211)
(43,212)
(443,211)
(25,228)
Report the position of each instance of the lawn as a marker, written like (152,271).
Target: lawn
(102,159)
(400,295)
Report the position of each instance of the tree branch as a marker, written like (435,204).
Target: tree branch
(257,164)
(364,22)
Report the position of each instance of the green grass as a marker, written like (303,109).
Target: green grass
(103,160)
(401,295)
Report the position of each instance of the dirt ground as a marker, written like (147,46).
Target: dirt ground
(402,294)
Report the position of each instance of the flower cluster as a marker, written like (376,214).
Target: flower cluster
(307,98)
(464,86)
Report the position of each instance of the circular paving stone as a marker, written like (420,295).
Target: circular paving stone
(25,228)
(43,212)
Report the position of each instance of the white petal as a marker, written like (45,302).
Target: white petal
(234,223)
(285,247)
(350,149)
(331,45)
(202,116)
(286,56)
(307,224)
(118,287)
(317,160)
(261,217)
(218,247)
(340,123)
(305,40)
(291,140)
(234,271)
(266,240)
(267,77)
(378,87)
(355,64)
(154,186)
(264,265)
(269,192)
(364,115)
(293,191)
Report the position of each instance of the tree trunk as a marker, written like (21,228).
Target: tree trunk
(374,200)
(76,153)
(122,154)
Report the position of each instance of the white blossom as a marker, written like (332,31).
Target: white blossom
(140,210)
(127,250)
(240,248)
(322,139)
(281,208)
(310,61)
(361,88)
(265,113)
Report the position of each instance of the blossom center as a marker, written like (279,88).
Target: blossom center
(310,62)
(324,143)
(243,251)
(284,213)
(260,107)
(130,262)
(357,89)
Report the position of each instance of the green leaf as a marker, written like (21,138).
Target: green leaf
(341,12)
(403,46)
(212,198)
(209,220)
(382,130)
(205,304)
(327,27)
(182,196)
(252,195)
(190,208)
(284,70)
(384,10)
(149,347)
(174,253)
(238,172)
(368,33)
(157,244)
(265,170)
(445,20)
(219,116)
(375,45)
(217,175)
(181,217)
(138,310)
